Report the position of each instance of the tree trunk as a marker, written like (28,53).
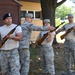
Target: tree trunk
(48,10)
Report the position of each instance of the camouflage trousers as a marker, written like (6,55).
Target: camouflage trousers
(25,61)
(47,60)
(10,64)
(69,49)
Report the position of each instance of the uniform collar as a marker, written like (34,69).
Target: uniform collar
(26,22)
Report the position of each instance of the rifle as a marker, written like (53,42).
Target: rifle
(67,32)
(45,35)
(5,38)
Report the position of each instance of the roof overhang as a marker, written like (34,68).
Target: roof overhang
(30,0)
(18,2)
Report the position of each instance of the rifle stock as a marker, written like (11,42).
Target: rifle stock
(45,35)
(42,39)
(67,32)
(5,38)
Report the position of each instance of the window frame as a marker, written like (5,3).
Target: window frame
(34,14)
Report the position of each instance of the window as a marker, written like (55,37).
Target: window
(23,14)
(36,14)
(31,12)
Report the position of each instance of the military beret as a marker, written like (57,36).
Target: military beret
(7,15)
(70,15)
(29,15)
(46,20)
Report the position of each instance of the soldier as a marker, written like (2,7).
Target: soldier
(46,51)
(69,44)
(27,28)
(10,64)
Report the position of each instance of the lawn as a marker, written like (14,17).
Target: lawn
(35,66)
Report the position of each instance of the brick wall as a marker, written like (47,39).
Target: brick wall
(11,6)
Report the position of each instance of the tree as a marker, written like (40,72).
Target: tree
(61,13)
(48,9)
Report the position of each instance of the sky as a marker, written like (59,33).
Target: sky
(68,3)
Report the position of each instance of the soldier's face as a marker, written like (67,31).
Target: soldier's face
(29,19)
(70,19)
(47,24)
(8,21)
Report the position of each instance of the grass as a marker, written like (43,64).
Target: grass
(35,66)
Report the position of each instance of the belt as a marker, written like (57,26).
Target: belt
(8,50)
(45,45)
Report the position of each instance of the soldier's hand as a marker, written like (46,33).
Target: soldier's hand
(9,37)
(51,28)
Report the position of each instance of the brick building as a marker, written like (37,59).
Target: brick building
(12,6)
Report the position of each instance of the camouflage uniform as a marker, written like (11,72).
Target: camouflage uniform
(25,60)
(24,45)
(47,56)
(47,59)
(11,58)
(69,45)
(10,64)
(69,49)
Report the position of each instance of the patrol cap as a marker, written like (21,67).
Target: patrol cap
(7,15)
(46,20)
(70,15)
(29,15)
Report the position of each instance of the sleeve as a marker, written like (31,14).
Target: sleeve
(38,28)
(18,29)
